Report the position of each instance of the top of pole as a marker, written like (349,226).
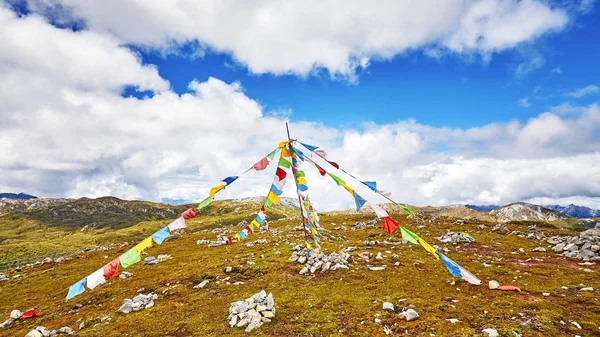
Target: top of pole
(288,131)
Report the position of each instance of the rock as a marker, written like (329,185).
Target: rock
(595,248)
(43,330)
(227,269)
(587,289)
(452,320)
(233,321)
(559,247)
(105,319)
(66,330)
(34,333)
(586,254)
(268,314)
(270,301)
(493,284)
(388,306)
(576,325)
(202,284)
(539,249)
(376,268)
(125,275)
(490,332)
(242,323)
(409,315)
(379,256)
(126,307)
(15,314)
(546,294)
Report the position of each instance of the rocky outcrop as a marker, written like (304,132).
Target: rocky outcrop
(585,246)
(316,261)
(522,211)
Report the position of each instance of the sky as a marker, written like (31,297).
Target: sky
(440,102)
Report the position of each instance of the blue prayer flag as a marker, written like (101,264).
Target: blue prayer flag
(359,201)
(275,190)
(310,147)
(260,220)
(161,235)
(229,180)
(371,184)
(77,288)
(242,235)
(453,268)
(302,187)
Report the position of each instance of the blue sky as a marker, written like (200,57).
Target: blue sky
(451,91)
(441,102)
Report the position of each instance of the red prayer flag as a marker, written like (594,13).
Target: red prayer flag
(111,269)
(230,239)
(389,225)
(261,164)
(262,208)
(280,173)
(249,229)
(334,164)
(28,314)
(321,170)
(189,214)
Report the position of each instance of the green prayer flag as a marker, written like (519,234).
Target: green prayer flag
(272,154)
(129,258)
(337,179)
(204,203)
(268,203)
(408,209)
(284,162)
(409,236)
(299,174)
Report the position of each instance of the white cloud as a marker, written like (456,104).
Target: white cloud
(66,131)
(524,102)
(529,66)
(304,37)
(589,90)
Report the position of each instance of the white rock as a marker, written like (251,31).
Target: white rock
(452,320)
(493,284)
(270,301)
(576,325)
(243,323)
(587,289)
(546,294)
(409,315)
(15,314)
(490,332)
(388,306)
(268,314)
(34,333)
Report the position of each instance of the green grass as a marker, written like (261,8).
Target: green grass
(340,303)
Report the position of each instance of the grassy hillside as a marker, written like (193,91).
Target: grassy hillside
(339,303)
(58,229)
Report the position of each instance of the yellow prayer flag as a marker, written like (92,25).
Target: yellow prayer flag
(301,181)
(147,243)
(428,248)
(283,144)
(350,190)
(255,224)
(285,152)
(237,236)
(216,189)
(273,198)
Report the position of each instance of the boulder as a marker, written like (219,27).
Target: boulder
(493,284)
(388,306)
(409,315)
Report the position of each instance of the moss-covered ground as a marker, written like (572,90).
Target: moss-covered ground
(339,303)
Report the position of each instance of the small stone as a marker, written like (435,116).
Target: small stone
(388,306)
(43,330)
(34,333)
(233,321)
(66,330)
(409,315)
(539,249)
(576,325)
(546,294)
(490,332)
(243,323)
(452,320)
(270,301)
(15,314)
(105,319)
(268,314)
(493,284)
(587,289)
(126,307)
(227,269)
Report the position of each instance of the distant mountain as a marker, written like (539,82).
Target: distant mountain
(576,211)
(20,196)
(522,211)
(482,208)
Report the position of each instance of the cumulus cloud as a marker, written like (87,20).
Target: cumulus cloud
(304,37)
(589,90)
(65,130)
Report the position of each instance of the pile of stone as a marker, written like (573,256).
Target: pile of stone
(221,240)
(252,312)
(4,277)
(202,242)
(125,275)
(500,228)
(371,243)
(14,316)
(42,331)
(456,237)
(586,246)
(138,303)
(321,261)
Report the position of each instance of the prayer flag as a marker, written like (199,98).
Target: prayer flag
(129,258)
(111,269)
(299,154)
(321,153)
(389,225)
(230,240)
(260,220)
(280,173)
(95,279)
(451,265)
(284,162)
(242,235)
(302,188)
(261,164)
(359,201)
(301,180)
(467,276)
(268,203)
(216,189)
(371,184)
(189,214)
(380,212)
(321,170)
(142,246)
(177,224)
(256,223)
(408,209)
(275,190)
(161,235)
(310,147)
(273,198)
(285,152)
(299,174)
(76,289)
(349,189)
(229,180)
(409,236)
(249,229)
(203,204)
(262,215)
(272,154)
(428,248)
(337,179)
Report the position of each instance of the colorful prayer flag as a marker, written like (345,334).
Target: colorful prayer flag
(428,248)
(189,214)
(261,164)
(284,163)
(216,189)
(359,201)
(161,235)
(409,236)
(280,173)
(204,203)
(142,246)
(177,224)
(76,289)
(229,180)
(95,279)
(380,212)
(321,170)
(310,147)
(111,269)
(371,184)
(389,225)
(129,258)
(337,179)
(467,276)
(451,265)
(272,197)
